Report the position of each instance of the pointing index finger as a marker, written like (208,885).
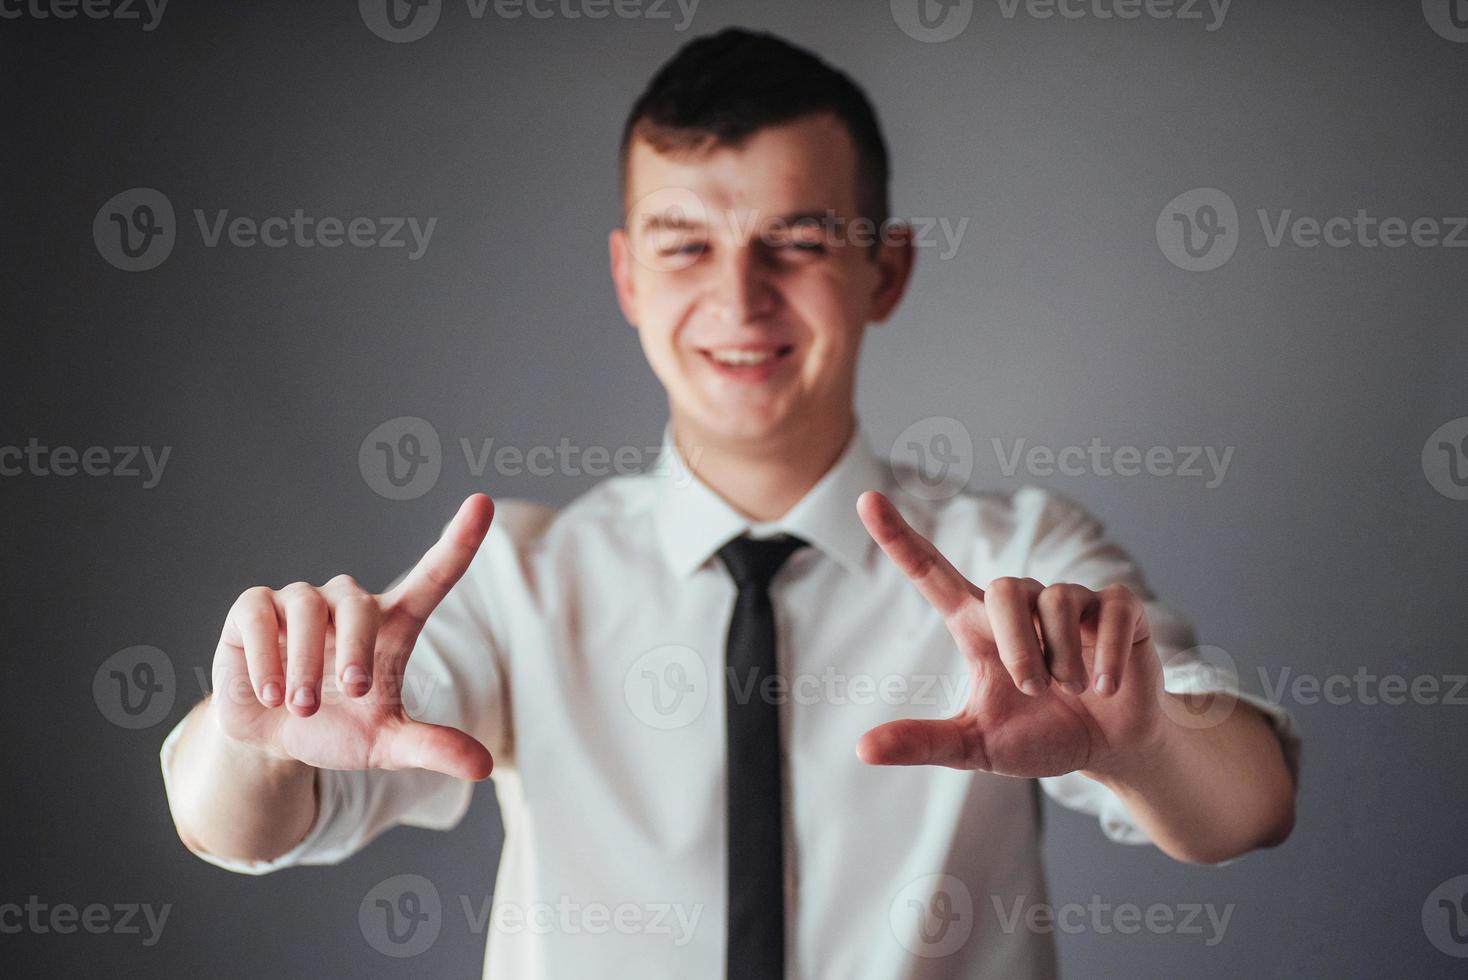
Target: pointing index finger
(940,583)
(423,588)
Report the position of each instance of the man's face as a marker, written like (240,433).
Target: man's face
(748,282)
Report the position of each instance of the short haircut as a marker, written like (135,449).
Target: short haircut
(721,88)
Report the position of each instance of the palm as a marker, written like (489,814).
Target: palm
(1013,734)
(345,733)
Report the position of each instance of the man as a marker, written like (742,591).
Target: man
(666,677)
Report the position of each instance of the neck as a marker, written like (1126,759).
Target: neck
(763,481)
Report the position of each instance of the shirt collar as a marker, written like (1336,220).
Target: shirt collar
(693,522)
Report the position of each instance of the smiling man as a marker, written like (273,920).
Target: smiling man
(757,713)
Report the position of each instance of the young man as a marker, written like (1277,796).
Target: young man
(667,676)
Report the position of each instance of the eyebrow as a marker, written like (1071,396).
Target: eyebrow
(681,222)
(665,220)
(797,217)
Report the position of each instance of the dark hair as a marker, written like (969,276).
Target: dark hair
(723,87)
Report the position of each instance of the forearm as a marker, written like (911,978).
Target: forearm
(231,800)
(1205,795)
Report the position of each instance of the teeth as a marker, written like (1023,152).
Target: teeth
(742,357)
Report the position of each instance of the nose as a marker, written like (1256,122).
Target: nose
(740,290)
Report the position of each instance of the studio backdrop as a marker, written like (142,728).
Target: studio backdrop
(284,282)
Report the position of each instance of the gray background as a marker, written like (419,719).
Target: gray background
(1325,550)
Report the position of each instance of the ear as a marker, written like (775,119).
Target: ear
(620,250)
(896,254)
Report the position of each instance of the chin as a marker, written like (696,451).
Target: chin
(742,423)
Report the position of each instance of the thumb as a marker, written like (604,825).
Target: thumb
(914,742)
(418,745)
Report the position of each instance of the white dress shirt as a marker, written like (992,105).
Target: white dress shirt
(585,649)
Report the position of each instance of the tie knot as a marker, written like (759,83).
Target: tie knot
(753,562)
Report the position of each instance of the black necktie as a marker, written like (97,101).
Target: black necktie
(756,925)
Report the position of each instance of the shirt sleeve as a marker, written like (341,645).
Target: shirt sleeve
(456,676)
(1066,544)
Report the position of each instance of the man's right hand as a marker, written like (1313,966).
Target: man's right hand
(315,674)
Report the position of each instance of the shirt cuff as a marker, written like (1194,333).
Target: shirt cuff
(1200,678)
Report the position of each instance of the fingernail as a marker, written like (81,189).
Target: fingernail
(270,693)
(1104,684)
(1073,687)
(354,676)
(1033,688)
(304,698)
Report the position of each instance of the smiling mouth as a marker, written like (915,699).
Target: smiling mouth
(745,357)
